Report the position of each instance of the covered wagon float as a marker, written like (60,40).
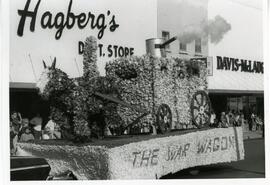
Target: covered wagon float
(148,117)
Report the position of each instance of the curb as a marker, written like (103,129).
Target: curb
(252,135)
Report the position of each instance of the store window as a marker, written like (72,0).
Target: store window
(182,46)
(166,36)
(198,46)
(246,104)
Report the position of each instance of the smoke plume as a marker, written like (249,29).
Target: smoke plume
(215,29)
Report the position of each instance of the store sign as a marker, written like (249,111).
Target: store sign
(67,20)
(235,64)
(109,50)
(209,64)
(44,29)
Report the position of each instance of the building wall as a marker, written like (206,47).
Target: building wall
(175,15)
(243,41)
(136,19)
(139,20)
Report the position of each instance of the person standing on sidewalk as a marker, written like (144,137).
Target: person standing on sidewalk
(252,121)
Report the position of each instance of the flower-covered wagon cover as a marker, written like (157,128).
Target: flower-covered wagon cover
(156,81)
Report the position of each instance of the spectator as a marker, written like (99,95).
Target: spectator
(52,130)
(223,120)
(252,122)
(37,124)
(27,135)
(13,139)
(16,120)
(237,120)
(15,126)
(259,123)
(25,124)
(46,134)
(229,118)
(212,119)
(242,118)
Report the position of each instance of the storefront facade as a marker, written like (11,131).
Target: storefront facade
(44,29)
(237,79)
(235,63)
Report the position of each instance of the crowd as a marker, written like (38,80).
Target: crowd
(236,118)
(23,129)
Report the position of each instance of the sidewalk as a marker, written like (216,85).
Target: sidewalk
(252,134)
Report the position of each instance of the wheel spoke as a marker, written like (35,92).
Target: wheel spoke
(161,111)
(200,108)
(168,123)
(165,111)
(167,114)
(202,97)
(206,116)
(197,100)
(195,107)
(196,117)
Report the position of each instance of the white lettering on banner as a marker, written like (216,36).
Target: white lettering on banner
(149,157)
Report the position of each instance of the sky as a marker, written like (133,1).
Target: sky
(252,3)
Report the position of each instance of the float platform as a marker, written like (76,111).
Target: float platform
(141,156)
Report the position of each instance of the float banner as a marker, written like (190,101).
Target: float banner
(148,159)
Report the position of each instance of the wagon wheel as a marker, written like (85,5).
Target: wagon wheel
(200,109)
(164,118)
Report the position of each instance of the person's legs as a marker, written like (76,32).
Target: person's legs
(250,125)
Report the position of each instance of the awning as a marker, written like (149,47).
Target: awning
(22,85)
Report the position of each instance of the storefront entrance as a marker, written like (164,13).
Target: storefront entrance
(28,102)
(247,103)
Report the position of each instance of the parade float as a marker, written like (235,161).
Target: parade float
(146,118)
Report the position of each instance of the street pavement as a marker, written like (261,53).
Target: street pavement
(253,166)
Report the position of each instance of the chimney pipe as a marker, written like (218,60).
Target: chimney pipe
(168,42)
